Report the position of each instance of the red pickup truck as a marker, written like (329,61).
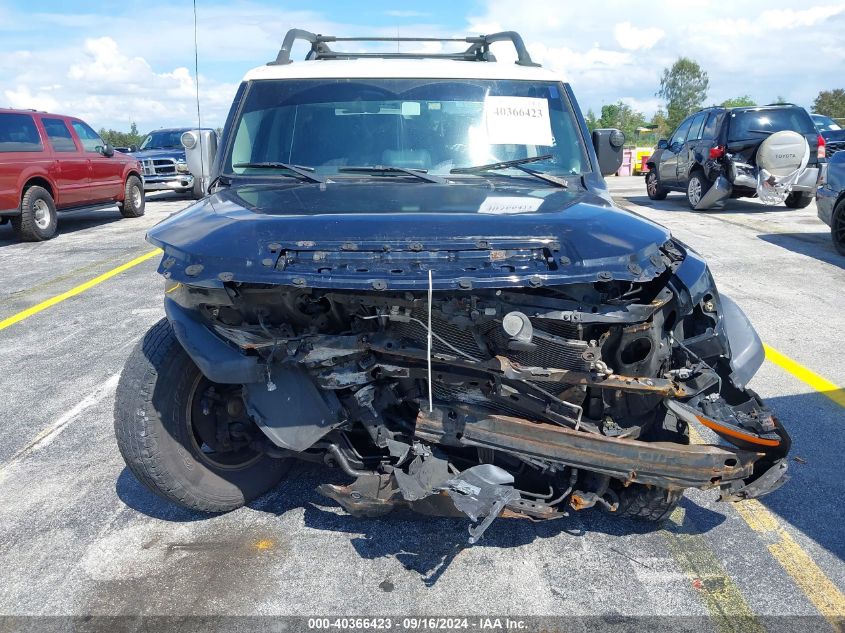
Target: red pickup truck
(50,163)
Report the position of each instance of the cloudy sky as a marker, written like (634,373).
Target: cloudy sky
(116,62)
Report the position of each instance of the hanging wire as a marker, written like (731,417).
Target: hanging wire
(430,295)
(197,84)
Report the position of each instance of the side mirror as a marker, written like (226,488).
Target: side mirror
(608,144)
(200,152)
(663,144)
(108,151)
(133,148)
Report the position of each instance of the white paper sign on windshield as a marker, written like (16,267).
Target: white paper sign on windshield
(517,121)
(505,205)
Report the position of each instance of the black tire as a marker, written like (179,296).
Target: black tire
(697,186)
(646,503)
(837,227)
(798,199)
(152,421)
(37,220)
(134,202)
(653,187)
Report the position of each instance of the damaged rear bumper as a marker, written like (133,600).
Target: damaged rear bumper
(745,176)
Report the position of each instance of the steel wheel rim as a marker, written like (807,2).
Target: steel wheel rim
(203,450)
(41,213)
(136,197)
(694,191)
(651,183)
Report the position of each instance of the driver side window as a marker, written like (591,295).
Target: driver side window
(680,134)
(91,141)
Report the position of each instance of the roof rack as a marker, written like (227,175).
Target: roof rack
(478,51)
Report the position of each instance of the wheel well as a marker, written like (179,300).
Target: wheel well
(839,200)
(129,174)
(38,182)
(697,169)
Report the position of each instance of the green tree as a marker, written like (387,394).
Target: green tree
(830,103)
(684,87)
(122,139)
(592,121)
(660,123)
(622,116)
(738,102)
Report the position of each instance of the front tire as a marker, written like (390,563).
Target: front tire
(798,199)
(164,431)
(837,227)
(647,503)
(653,187)
(697,186)
(134,203)
(37,220)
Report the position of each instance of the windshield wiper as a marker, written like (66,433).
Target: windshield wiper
(389,169)
(302,172)
(519,164)
(762,131)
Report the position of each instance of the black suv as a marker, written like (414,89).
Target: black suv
(723,143)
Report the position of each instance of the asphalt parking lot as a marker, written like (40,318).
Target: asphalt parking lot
(81,537)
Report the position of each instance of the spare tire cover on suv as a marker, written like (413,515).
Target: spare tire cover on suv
(783,153)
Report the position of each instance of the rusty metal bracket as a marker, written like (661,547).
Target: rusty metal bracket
(663,464)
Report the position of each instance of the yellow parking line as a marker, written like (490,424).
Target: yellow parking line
(822,385)
(809,577)
(728,609)
(20,316)
(800,566)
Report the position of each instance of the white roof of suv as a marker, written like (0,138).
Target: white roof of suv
(400,68)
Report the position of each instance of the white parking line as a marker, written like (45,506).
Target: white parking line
(47,435)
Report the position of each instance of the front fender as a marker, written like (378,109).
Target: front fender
(216,359)
(747,352)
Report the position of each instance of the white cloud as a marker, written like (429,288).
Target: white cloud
(791,18)
(633,38)
(642,105)
(764,48)
(23,97)
(108,88)
(114,67)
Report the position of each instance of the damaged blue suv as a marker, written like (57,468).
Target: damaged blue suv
(408,267)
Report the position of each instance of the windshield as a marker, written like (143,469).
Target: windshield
(825,123)
(754,124)
(423,124)
(166,139)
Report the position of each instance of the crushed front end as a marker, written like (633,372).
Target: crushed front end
(487,378)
